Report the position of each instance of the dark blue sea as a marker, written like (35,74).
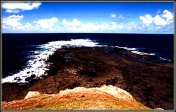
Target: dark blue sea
(18,49)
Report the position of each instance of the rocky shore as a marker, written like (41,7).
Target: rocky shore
(147,78)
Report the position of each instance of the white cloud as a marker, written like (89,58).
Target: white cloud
(12,23)
(159,20)
(168,15)
(131,26)
(12,11)
(16,7)
(75,22)
(113,26)
(64,21)
(76,25)
(88,27)
(28,26)
(113,15)
(158,27)
(46,23)
(104,27)
(12,20)
(147,19)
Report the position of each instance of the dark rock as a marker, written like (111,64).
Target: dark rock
(89,73)
(16,78)
(30,78)
(148,79)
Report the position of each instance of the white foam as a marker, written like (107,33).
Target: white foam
(130,49)
(164,59)
(142,53)
(38,66)
(134,50)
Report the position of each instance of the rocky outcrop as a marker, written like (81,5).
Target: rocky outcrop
(80,98)
(158,109)
(31,94)
(147,78)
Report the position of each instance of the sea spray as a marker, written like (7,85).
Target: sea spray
(37,67)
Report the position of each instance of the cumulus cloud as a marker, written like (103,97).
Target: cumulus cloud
(12,20)
(168,15)
(147,19)
(75,22)
(150,24)
(13,23)
(96,26)
(159,20)
(76,25)
(113,15)
(16,7)
(131,26)
(12,11)
(114,25)
(46,23)
(28,26)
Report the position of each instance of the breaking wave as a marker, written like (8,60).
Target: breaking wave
(37,65)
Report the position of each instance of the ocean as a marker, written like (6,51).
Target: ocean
(21,52)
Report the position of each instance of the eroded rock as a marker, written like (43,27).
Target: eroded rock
(31,94)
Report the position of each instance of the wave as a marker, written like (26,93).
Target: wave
(38,65)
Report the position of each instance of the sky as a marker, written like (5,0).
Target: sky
(88,17)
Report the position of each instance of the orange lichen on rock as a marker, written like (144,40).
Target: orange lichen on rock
(79,98)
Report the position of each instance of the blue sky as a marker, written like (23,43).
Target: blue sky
(88,17)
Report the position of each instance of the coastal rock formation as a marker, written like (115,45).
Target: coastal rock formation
(158,109)
(147,78)
(79,98)
(31,94)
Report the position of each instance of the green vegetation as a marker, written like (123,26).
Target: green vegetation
(39,106)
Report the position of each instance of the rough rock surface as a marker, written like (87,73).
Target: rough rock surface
(147,78)
(31,94)
(79,98)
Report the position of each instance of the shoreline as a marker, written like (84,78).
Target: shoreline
(148,78)
(37,67)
